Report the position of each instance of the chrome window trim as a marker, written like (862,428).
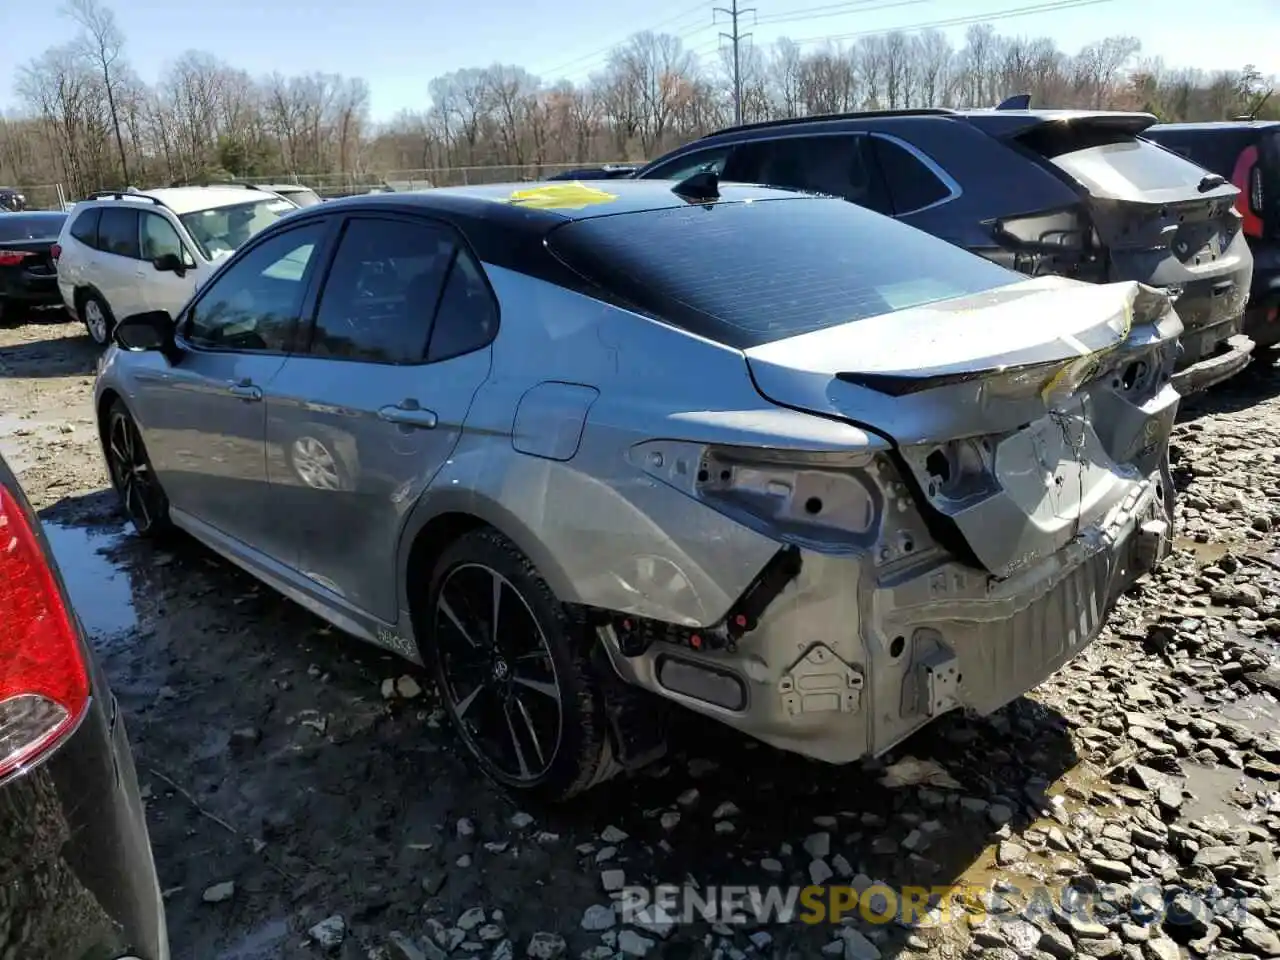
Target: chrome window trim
(953,187)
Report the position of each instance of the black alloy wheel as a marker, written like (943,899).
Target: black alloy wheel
(132,475)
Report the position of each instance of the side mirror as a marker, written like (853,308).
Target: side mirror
(152,330)
(169,263)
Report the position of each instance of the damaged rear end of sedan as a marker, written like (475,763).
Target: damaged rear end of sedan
(954,472)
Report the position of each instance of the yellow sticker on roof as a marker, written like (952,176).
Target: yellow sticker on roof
(561,196)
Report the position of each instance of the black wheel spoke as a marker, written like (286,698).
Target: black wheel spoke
(515,741)
(463,705)
(531,729)
(538,686)
(456,621)
(496,609)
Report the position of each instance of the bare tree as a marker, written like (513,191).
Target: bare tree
(102,41)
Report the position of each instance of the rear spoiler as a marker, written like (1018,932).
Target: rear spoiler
(1008,122)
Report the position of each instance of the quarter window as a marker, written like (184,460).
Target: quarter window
(468,317)
(118,232)
(85,229)
(254,304)
(912,185)
(382,291)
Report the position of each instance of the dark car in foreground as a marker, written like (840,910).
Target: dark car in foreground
(1248,153)
(28,273)
(1075,193)
(77,881)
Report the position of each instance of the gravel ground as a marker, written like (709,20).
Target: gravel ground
(300,806)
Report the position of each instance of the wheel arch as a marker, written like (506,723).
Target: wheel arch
(108,396)
(439,520)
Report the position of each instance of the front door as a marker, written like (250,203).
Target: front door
(204,417)
(359,423)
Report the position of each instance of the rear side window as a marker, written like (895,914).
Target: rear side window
(912,185)
(382,291)
(85,228)
(745,274)
(836,165)
(118,232)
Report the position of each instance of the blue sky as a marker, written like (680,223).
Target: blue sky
(398,45)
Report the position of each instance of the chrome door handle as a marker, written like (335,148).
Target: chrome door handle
(245,391)
(410,417)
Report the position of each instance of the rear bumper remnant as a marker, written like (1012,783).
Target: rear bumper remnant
(848,660)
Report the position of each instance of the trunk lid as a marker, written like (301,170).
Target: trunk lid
(37,260)
(1157,217)
(1022,415)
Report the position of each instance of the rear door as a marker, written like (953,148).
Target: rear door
(118,272)
(1156,217)
(362,418)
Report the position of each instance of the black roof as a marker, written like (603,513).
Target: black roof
(549,203)
(988,118)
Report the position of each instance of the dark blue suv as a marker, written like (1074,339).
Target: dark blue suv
(1074,193)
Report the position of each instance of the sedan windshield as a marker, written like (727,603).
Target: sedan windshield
(301,196)
(219,232)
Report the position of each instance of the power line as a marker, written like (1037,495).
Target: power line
(736,38)
(596,55)
(836,9)
(961,21)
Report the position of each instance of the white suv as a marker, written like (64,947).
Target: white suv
(126,253)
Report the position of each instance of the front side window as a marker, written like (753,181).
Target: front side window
(221,231)
(684,167)
(254,304)
(382,291)
(159,238)
(746,274)
(118,232)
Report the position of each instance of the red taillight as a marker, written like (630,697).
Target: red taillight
(55,251)
(44,685)
(1248,178)
(11,258)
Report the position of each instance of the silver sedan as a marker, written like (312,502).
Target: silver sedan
(598,452)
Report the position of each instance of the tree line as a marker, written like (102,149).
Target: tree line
(89,122)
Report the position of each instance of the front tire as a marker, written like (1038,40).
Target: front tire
(511,663)
(132,475)
(97,318)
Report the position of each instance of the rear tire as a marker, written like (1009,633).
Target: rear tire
(97,318)
(132,475)
(521,693)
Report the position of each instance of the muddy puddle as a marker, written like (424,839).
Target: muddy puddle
(1212,790)
(100,590)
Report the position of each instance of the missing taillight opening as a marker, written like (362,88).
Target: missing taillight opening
(44,683)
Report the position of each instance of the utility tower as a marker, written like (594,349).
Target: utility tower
(734,12)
